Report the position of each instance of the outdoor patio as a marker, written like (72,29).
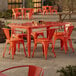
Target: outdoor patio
(51,65)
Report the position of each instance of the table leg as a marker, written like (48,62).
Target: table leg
(47,31)
(29,41)
(22,13)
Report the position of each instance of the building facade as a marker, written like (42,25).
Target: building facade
(9,4)
(3,5)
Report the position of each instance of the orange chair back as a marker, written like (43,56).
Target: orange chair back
(70,29)
(50,33)
(7,32)
(16,10)
(31,11)
(33,70)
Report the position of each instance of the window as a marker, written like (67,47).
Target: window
(15,4)
(37,4)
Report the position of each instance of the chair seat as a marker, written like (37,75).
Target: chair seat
(21,35)
(42,39)
(59,33)
(18,13)
(37,33)
(16,39)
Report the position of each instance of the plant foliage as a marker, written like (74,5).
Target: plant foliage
(67,71)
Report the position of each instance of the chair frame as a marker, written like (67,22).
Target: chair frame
(45,43)
(15,14)
(64,37)
(13,42)
(32,69)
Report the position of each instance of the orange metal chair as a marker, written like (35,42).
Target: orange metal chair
(50,8)
(54,9)
(30,13)
(45,10)
(32,71)
(64,37)
(25,13)
(45,43)
(19,35)
(39,10)
(15,13)
(13,40)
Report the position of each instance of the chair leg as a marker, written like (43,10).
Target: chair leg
(12,48)
(24,48)
(53,49)
(53,45)
(65,46)
(5,49)
(26,45)
(71,46)
(35,45)
(18,47)
(9,50)
(13,45)
(43,12)
(62,44)
(45,50)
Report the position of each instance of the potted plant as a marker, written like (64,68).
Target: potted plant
(67,71)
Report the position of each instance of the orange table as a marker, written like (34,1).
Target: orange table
(29,28)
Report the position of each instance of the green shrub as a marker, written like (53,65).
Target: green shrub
(0,14)
(2,35)
(67,71)
(6,14)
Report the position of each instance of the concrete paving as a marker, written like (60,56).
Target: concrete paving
(50,66)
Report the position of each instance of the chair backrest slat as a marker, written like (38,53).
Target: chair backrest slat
(50,33)
(7,33)
(70,29)
(33,70)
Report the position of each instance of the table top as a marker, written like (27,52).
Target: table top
(30,25)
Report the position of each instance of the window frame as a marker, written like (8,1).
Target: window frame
(11,3)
